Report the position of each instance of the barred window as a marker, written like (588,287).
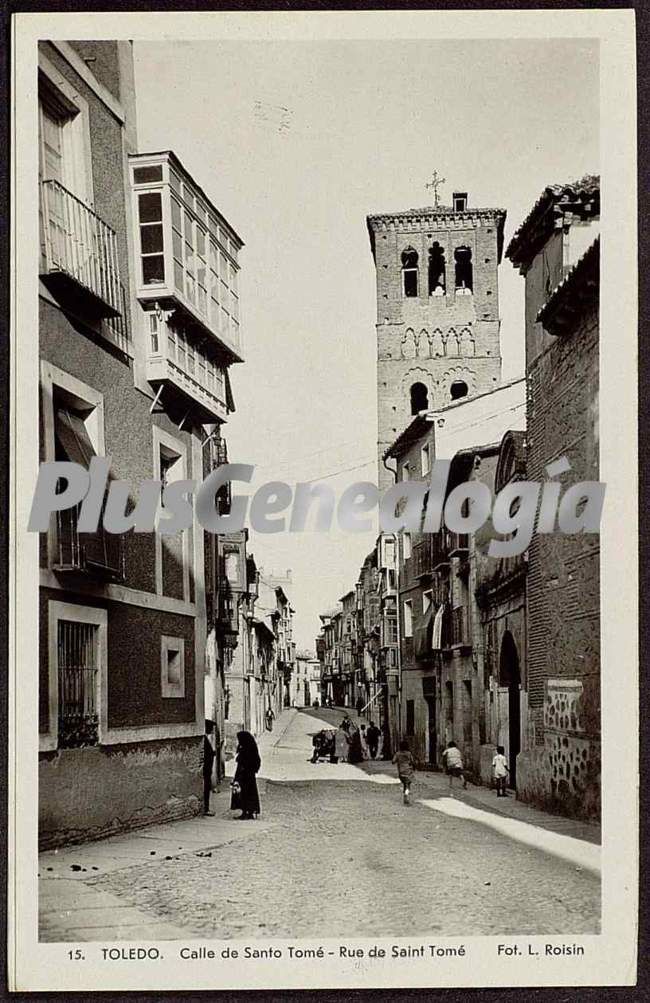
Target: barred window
(77,667)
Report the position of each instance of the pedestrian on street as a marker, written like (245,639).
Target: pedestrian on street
(341,746)
(363,739)
(500,771)
(270,718)
(454,764)
(346,724)
(244,785)
(404,762)
(360,705)
(373,735)
(208,762)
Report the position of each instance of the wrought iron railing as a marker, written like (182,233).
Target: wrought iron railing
(99,553)
(79,244)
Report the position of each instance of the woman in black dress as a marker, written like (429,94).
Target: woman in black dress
(248,764)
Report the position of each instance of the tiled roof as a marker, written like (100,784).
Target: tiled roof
(581,198)
(568,298)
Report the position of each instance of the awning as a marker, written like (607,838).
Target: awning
(72,437)
(436,633)
(422,638)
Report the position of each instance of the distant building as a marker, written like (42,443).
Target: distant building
(305,680)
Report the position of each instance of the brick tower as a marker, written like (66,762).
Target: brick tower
(437,310)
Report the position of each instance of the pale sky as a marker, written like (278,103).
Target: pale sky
(296,143)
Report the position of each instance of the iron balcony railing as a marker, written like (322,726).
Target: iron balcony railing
(99,554)
(78,244)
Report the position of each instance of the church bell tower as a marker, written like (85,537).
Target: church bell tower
(437,311)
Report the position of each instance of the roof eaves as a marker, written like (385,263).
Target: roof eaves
(580,197)
(567,298)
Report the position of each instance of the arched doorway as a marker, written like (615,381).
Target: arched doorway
(509,703)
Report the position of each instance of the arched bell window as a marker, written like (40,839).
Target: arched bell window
(437,279)
(419,398)
(464,269)
(410,271)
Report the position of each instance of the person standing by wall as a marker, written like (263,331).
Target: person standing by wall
(500,772)
(208,762)
(245,795)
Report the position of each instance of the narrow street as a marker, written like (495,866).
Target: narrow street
(334,850)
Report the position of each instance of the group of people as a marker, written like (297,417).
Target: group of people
(453,764)
(349,743)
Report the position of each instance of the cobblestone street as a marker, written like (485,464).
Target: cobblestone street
(334,853)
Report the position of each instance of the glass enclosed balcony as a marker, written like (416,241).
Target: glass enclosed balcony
(186,253)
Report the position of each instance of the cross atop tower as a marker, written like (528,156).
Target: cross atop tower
(435,183)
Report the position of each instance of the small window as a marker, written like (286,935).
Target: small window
(427,601)
(172,667)
(460,201)
(406,546)
(458,389)
(425,454)
(408,618)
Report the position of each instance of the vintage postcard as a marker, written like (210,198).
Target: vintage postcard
(324,518)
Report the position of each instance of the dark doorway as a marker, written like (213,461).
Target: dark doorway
(510,677)
(429,694)
(432,738)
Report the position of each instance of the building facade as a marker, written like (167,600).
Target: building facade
(441,681)
(134,362)
(557,250)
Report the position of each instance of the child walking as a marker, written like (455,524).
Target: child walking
(500,771)
(404,762)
